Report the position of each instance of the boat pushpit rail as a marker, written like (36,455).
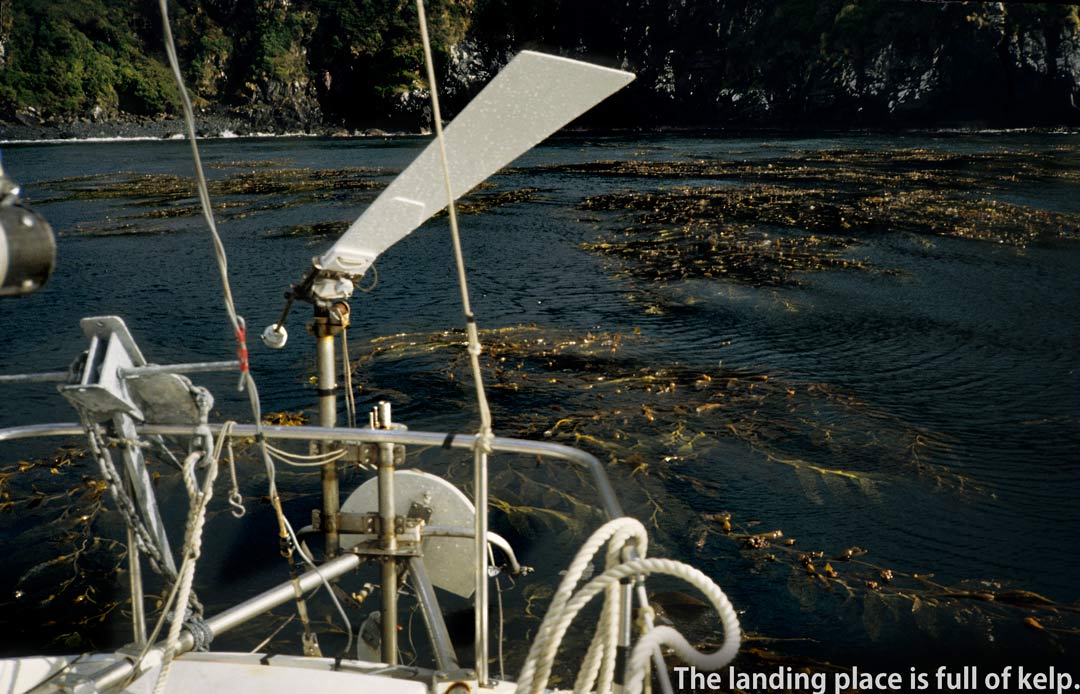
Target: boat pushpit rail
(356,436)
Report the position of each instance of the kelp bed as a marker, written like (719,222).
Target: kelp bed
(482,199)
(670,433)
(62,567)
(64,586)
(245,188)
(619,409)
(673,438)
(775,219)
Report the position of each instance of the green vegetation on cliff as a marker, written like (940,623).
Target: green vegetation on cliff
(75,56)
(305,63)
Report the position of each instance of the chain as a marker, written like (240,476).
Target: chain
(143,539)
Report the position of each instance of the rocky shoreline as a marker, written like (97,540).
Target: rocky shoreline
(26,126)
(126,126)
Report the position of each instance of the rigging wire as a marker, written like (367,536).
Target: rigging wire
(312,459)
(247,381)
(347,376)
(274,633)
(484,436)
(459,258)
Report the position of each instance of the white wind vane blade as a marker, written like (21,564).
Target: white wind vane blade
(533,96)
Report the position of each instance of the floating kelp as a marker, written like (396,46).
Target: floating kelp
(758,257)
(251,164)
(118,228)
(249,188)
(589,390)
(316,230)
(149,189)
(474,203)
(480,202)
(885,599)
(666,431)
(148,223)
(779,217)
(831,212)
(137,188)
(906,167)
(65,587)
(60,583)
(241,192)
(1002,166)
(285,418)
(295,181)
(767,235)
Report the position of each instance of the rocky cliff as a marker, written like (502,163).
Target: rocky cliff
(310,64)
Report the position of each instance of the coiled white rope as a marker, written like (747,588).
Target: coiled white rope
(534,674)
(600,658)
(599,661)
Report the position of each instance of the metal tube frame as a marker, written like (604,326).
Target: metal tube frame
(325,365)
(138,608)
(493,539)
(235,616)
(388,574)
(131,372)
(480,568)
(445,657)
(608,501)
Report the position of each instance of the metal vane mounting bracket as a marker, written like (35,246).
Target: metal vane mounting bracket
(101,390)
(113,378)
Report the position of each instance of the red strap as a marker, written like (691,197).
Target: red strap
(241,348)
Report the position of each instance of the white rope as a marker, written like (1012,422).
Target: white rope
(600,658)
(667,636)
(566,605)
(199,499)
(534,675)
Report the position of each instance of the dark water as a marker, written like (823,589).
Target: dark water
(967,356)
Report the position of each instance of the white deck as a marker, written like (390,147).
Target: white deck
(235,673)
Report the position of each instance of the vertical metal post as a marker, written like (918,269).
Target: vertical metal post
(328,418)
(480,529)
(327,325)
(626,626)
(387,541)
(138,609)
